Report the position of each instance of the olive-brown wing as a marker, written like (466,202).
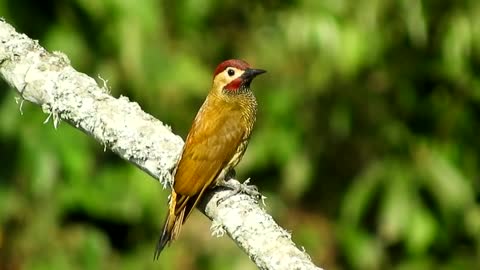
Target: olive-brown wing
(210,145)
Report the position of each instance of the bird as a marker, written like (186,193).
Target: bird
(214,145)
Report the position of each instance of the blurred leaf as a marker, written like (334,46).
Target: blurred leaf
(362,251)
(457,45)
(451,190)
(422,231)
(397,206)
(361,195)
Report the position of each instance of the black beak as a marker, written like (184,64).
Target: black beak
(251,73)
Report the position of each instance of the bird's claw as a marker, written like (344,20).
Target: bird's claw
(250,190)
(237,187)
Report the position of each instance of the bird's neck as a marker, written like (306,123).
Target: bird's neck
(244,102)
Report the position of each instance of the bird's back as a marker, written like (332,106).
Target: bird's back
(210,145)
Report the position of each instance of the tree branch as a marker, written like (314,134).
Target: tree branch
(47,79)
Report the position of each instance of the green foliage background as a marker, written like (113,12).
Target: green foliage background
(366,143)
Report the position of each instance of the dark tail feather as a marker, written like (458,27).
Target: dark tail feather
(171,229)
(166,237)
(179,210)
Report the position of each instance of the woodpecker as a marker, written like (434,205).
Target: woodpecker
(215,143)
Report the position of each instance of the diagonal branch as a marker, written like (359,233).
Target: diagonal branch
(47,79)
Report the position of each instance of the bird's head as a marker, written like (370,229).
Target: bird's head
(234,76)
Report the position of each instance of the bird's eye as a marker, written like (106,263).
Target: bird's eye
(231,72)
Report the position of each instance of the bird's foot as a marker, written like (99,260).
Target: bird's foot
(237,187)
